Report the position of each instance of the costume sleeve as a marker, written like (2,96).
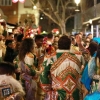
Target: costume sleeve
(82,60)
(32,71)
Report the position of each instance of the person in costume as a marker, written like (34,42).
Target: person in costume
(40,52)
(2,44)
(28,71)
(48,44)
(16,60)
(60,78)
(95,87)
(10,88)
(89,69)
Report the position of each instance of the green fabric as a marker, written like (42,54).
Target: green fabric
(76,95)
(32,71)
(45,76)
(16,64)
(61,94)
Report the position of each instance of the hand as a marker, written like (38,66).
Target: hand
(41,60)
(41,69)
(78,39)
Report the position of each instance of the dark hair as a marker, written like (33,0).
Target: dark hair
(10,33)
(20,37)
(6,68)
(26,46)
(50,35)
(38,37)
(93,47)
(7,42)
(76,34)
(98,52)
(64,43)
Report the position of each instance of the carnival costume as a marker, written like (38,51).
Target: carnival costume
(10,88)
(27,74)
(91,78)
(88,73)
(60,78)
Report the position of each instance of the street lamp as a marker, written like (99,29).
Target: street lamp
(77,5)
(77,2)
(15,1)
(34,7)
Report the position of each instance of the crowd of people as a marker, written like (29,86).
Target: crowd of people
(49,67)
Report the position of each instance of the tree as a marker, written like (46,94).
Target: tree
(59,11)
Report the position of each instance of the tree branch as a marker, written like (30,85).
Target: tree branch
(67,3)
(32,2)
(62,4)
(55,12)
(68,17)
(51,5)
(58,5)
(63,10)
(48,15)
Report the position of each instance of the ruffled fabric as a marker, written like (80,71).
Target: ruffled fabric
(93,96)
(88,73)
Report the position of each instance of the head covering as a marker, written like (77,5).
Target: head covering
(96,39)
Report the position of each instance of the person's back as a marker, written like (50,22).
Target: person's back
(10,88)
(65,72)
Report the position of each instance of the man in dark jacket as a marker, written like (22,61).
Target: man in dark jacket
(10,52)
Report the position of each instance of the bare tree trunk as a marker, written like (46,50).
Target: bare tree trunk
(63,28)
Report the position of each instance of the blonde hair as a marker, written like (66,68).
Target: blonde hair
(1,29)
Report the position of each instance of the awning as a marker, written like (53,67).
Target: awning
(95,21)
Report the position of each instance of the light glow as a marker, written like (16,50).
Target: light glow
(90,21)
(34,7)
(77,1)
(15,1)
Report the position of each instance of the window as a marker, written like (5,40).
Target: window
(5,2)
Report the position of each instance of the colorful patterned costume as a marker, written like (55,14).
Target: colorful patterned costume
(27,73)
(60,78)
(10,88)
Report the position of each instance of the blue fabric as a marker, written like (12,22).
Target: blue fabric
(93,96)
(86,79)
(96,39)
(92,66)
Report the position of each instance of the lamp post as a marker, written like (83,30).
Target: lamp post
(77,5)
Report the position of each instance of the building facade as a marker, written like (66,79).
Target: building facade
(91,17)
(14,12)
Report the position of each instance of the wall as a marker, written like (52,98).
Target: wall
(24,9)
(11,12)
